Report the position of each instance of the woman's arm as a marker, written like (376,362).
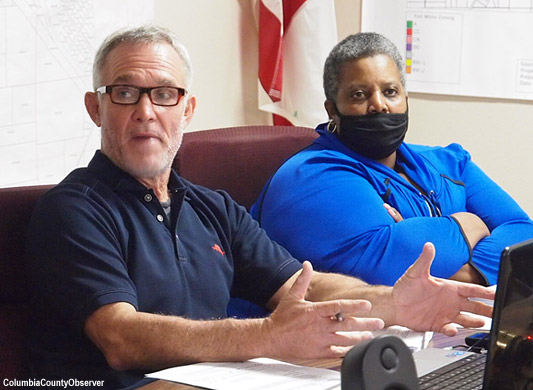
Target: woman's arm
(474,230)
(336,219)
(508,223)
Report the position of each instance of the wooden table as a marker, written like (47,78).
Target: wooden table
(438,341)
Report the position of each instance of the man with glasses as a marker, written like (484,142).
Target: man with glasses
(133,266)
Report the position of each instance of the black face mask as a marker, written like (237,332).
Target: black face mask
(374,135)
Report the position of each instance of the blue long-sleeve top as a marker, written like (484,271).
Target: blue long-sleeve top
(325,204)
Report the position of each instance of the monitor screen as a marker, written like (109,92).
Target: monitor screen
(510,355)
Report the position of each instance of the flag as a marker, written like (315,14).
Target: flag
(295,37)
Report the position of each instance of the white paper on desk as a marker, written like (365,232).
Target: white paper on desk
(255,374)
(414,340)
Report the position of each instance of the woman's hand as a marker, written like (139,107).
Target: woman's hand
(393,212)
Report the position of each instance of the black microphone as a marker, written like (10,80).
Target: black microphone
(381,363)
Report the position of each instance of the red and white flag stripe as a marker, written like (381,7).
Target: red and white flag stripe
(295,37)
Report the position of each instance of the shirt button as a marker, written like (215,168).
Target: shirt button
(160,218)
(147,198)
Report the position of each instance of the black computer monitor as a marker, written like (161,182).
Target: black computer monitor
(510,356)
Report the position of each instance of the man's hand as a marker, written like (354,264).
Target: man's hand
(423,302)
(304,329)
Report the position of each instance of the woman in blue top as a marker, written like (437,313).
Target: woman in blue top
(362,202)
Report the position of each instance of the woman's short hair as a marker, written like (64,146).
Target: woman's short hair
(141,34)
(355,47)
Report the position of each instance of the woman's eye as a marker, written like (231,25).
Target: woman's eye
(358,94)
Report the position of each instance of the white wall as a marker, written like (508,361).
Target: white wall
(222,38)
(497,133)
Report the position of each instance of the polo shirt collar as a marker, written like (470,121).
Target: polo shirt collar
(120,180)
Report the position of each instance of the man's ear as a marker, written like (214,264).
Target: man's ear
(189,110)
(93,107)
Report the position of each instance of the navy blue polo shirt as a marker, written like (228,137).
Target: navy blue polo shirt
(101,237)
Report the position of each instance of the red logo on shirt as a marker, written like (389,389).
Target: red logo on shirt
(217,248)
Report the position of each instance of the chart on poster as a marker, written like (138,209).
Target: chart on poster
(460,47)
(46,53)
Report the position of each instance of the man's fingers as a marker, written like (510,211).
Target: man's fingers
(301,284)
(347,307)
(349,339)
(471,290)
(354,324)
(343,343)
(449,330)
(468,321)
(477,307)
(464,320)
(344,315)
(422,265)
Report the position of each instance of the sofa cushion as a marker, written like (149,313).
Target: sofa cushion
(239,160)
(16,206)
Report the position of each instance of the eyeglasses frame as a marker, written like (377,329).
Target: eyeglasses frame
(148,90)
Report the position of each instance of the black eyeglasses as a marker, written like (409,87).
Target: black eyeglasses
(127,94)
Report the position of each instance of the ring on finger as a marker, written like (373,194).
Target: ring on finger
(338,317)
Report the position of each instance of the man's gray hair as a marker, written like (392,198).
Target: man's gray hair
(142,34)
(355,47)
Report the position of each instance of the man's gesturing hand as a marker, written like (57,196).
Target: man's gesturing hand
(423,302)
(304,329)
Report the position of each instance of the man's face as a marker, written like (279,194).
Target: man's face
(142,138)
